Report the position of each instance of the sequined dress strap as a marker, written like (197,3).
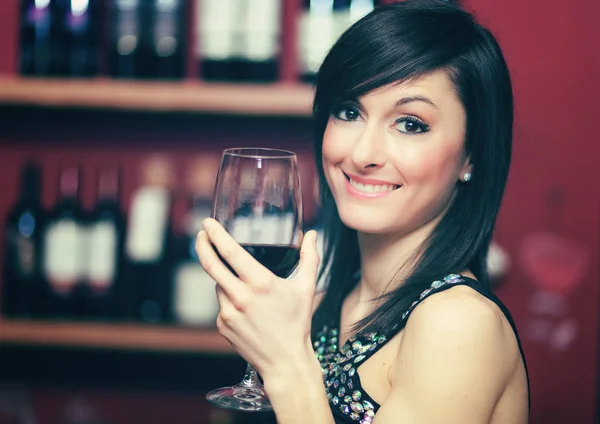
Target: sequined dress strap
(348,400)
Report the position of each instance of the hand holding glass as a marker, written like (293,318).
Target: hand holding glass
(258,201)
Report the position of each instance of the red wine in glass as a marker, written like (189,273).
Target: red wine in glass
(280,260)
(258,201)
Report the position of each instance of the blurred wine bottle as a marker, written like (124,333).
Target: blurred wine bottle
(168,39)
(21,283)
(195,301)
(64,254)
(125,38)
(257,40)
(356,11)
(105,235)
(316,32)
(215,31)
(80,37)
(40,39)
(147,289)
(321,24)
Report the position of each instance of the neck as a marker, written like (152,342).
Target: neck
(387,259)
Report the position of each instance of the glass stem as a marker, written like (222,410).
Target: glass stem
(250,378)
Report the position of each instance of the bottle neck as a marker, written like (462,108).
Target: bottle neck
(108,186)
(69,183)
(30,184)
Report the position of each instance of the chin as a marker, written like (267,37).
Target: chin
(365,222)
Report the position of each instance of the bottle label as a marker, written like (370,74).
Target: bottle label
(22,251)
(344,19)
(127,26)
(165,28)
(264,229)
(195,298)
(148,224)
(194,219)
(360,8)
(102,255)
(341,22)
(317,31)
(277,229)
(215,29)
(193,224)
(260,29)
(244,229)
(26,256)
(20,240)
(64,255)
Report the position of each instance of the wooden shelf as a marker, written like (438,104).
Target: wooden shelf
(185,96)
(113,336)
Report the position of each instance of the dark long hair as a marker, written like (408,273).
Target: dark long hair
(394,43)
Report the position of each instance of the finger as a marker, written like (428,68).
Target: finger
(214,267)
(230,321)
(242,263)
(227,309)
(226,304)
(221,295)
(309,259)
(222,298)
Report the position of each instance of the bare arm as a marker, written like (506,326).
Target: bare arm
(453,365)
(297,392)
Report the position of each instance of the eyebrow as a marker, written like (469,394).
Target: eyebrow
(406,100)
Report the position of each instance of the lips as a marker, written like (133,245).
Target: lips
(369,186)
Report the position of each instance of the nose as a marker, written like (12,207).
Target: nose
(369,149)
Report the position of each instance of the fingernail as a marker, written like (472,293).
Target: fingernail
(207,223)
(201,233)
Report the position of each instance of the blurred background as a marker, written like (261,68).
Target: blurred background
(113,116)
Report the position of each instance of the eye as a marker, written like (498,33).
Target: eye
(347,113)
(411,125)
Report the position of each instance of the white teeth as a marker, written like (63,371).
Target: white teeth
(370,188)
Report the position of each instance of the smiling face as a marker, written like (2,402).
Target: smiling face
(393,158)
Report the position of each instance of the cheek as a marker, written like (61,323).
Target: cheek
(437,165)
(334,149)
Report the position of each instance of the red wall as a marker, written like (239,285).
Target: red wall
(9,26)
(553,51)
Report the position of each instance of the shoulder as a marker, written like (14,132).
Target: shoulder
(457,352)
(458,318)
(460,334)
(460,310)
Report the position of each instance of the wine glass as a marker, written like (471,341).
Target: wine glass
(258,201)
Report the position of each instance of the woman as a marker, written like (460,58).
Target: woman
(414,113)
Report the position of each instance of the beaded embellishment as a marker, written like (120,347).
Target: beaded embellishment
(342,383)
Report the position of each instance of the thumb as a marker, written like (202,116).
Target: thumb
(309,259)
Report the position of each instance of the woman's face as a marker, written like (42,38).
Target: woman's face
(393,157)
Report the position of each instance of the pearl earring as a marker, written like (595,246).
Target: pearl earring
(467,177)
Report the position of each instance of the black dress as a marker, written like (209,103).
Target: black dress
(348,400)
